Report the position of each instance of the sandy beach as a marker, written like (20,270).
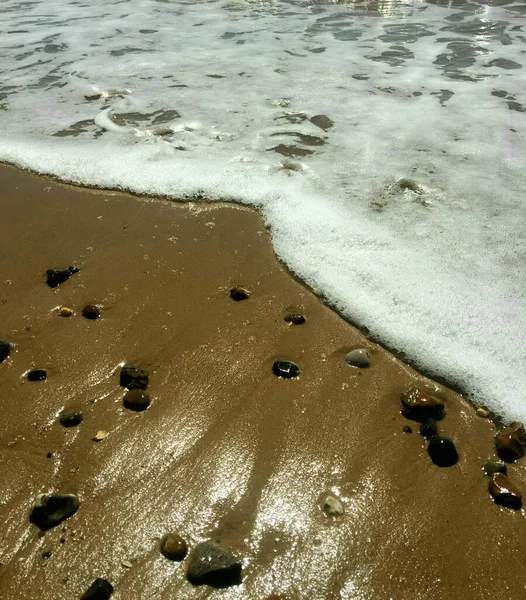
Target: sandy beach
(226,451)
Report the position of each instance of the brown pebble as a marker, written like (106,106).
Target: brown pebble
(295,318)
(136,400)
(238,293)
(90,311)
(511,442)
(504,492)
(173,547)
(419,406)
(64,311)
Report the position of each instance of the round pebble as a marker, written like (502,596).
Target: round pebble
(70,418)
(64,311)
(295,319)
(90,311)
(37,375)
(442,451)
(358,358)
(173,547)
(286,369)
(136,400)
(238,293)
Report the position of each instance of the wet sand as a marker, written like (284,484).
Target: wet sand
(227,451)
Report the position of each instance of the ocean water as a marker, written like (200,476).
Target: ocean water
(384,143)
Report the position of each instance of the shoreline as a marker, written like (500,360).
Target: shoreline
(226,451)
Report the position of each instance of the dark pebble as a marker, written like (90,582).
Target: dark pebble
(407,429)
(295,319)
(442,451)
(418,406)
(490,468)
(133,378)
(90,311)
(100,589)
(173,547)
(358,358)
(37,375)
(46,555)
(286,369)
(504,492)
(208,564)
(70,418)
(429,429)
(57,276)
(511,442)
(51,509)
(5,348)
(239,293)
(136,400)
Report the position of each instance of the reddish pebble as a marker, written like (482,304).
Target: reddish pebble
(504,492)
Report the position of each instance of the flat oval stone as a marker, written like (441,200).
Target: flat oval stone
(490,468)
(70,418)
(133,378)
(239,293)
(55,277)
(100,589)
(511,442)
(295,318)
(49,510)
(442,451)
(504,492)
(209,564)
(136,400)
(286,369)
(91,311)
(64,311)
(429,429)
(419,406)
(174,547)
(37,375)
(358,358)
(5,349)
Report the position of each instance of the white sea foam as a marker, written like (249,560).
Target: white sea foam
(177,98)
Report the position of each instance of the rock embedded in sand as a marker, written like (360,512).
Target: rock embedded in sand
(133,378)
(239,293)
(286,369)
(100,435)
(429,429)
(173,547)
(209,564)
(504,491)
(511,442)
(419,406)
(295,318)
(57,276)
(100,589)
(492,467)
(37,375)
(91,311)
(70,418)
(136,400)
(5,349)
(442,451)
(49,510)
(358,358)
(332,507)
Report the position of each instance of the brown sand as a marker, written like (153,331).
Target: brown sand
(227,451)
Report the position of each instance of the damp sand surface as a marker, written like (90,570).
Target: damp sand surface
(226,451)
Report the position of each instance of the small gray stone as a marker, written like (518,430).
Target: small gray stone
(210,565)
(358,358)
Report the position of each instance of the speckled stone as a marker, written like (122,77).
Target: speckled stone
(511,442)
(55,277)
(70,418)
(490,468)
(174,547)
(209,564)
(100,589)
(5,349)
(504,492)
(358,358)
(442,451)
(239,293)
(332,506)
(37,375)
(49,510)
(419,406)
(133,378)
(295,319)
(286,369)
(91,311)
(136,400)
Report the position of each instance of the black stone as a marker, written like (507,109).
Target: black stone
(295,319)
(136,400)
(70,418)
(133,378)
(5,348)
(91,311)
(210,565)
(429,429)
(37,375)
(407,429)
(239,293)
(50,510)
(442,451)
(490,468)
(46,554)
(100,589)
(57,276)
(285,368)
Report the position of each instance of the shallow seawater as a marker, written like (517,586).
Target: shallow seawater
(383,141)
